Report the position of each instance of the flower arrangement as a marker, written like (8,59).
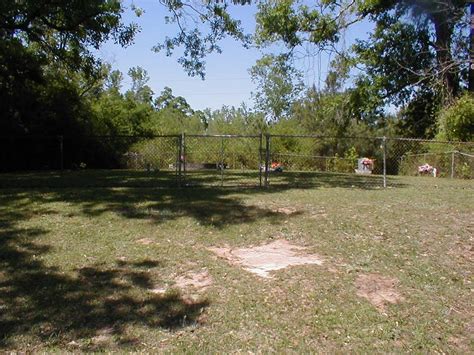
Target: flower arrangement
(368,163)
(427,169)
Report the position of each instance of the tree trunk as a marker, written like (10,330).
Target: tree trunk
(447,69)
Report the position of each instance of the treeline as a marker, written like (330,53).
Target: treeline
(91,112)
(52,85)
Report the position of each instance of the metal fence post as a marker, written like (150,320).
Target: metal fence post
(267,158)
(222,161)
(452,164)
(183,157)
(179,147)
(260,159)
(61,152)
(384,143)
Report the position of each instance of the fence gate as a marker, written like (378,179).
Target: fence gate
(222,160)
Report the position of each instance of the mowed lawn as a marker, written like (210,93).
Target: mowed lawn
(102,269)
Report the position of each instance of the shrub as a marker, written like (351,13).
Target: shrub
(456,122)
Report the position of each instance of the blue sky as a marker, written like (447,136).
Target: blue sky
(227,79)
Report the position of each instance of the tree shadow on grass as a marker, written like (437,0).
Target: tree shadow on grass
(93,306)
(208,206)
(89,308)
(55,308)
(197,178)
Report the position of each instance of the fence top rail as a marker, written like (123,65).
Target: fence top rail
(319,136)
(223,135)
(421,140)
(150,136)
(36,136)
(314,136)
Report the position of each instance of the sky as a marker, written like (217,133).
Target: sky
(227,81)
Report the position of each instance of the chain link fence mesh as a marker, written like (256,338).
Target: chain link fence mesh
(406,157)
(222,160)
(311,160)
(229,160)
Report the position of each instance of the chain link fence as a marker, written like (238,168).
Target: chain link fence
(224,160)
(229,160)
(407,157)
(318,160)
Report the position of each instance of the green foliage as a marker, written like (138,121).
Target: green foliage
(47,70)
(447,164)
(64,32)
(418,117)
(140,90)
(414,58)
(323,113)
(211,23)
(294,23)
(347,164)
(456,122)
(278,85)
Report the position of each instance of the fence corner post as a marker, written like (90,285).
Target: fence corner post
(384,143)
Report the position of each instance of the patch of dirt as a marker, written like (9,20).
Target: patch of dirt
(378,290)
(286,210)
(261,260)
(145,241)
(103,336)
(200,281)
(196,281)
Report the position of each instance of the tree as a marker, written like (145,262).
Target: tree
(167,100)
(278,85)
(210,21)
(44,43)
(64,32)
(323,113)
(140,90)
(417,46)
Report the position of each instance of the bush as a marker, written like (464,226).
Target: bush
(456,123)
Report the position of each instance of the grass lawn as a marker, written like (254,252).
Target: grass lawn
(99,268)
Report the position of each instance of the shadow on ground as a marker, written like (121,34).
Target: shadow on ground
(99,302)
(52,307)
(88,309)
(167,179)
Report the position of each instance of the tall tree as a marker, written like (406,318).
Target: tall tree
(140,90)
(40,37)
(278,85)
(418,46)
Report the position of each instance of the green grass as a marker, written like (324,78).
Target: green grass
(73,277)
(167,179)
